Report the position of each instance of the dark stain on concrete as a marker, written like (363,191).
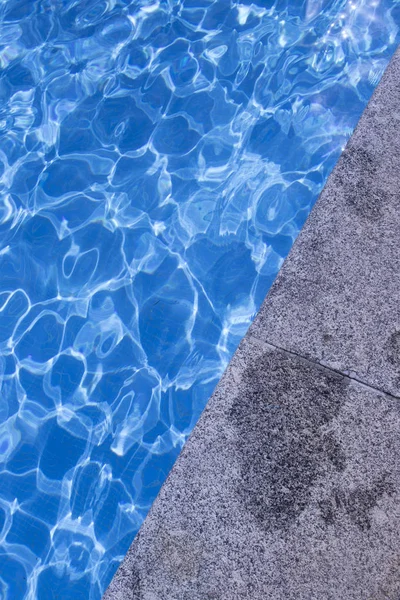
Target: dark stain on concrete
(357,503)
(282,440)
(392,347)
(136,584)
(358,175)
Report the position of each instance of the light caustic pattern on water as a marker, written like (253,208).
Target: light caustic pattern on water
(157,161)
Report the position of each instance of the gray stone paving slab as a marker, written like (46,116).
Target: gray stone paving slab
(288,489)
(336,298)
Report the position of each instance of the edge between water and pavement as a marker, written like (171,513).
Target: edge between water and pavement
(289,486)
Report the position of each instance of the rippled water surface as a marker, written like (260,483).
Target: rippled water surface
(157,160)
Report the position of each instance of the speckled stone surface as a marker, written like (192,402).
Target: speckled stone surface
(336,298)
(289,487)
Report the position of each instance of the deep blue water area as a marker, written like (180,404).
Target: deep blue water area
(157,161)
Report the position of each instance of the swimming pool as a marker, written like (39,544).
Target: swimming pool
(157,161)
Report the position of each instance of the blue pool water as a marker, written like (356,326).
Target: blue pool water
(157,161)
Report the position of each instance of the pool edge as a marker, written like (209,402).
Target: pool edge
(179,552)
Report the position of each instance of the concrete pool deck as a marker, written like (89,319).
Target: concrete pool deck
(289,486)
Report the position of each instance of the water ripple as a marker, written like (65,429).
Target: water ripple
(157,161)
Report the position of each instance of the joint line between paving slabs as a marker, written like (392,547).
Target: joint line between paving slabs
(323,366)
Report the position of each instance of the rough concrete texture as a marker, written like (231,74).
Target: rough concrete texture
(336,298)
(289,488)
